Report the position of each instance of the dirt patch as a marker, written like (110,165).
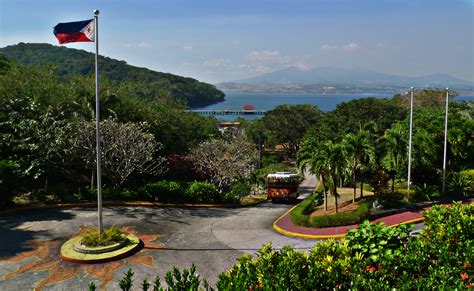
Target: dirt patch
(344,202)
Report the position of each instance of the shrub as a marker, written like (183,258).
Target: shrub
(425,192)
(376,241)
(339,219)
(164,190)
(86,194)
(300,214)
(9,180)
(177,280)
(458,184)
(237,191)
(202,191)
(109,236)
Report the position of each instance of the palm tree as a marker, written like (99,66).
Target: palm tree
(324,160)
(358,151)
(395,147)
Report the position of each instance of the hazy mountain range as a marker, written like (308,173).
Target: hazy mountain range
(324,79)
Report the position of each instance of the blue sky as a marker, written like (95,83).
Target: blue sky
(224,40)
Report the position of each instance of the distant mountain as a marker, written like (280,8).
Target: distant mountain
(72,61)
(294,79)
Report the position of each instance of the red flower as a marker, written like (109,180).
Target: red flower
(464,276)
(379,267)
(467,266)
(370,269)
(454,240)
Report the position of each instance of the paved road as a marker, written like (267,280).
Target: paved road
(211,238)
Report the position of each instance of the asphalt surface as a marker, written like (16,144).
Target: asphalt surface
(211,238)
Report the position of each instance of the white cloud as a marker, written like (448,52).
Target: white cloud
(187,47)
(327,47)
(351,46)
(214,63)
(264,56)
(144,45)
(140,45)
(380,45)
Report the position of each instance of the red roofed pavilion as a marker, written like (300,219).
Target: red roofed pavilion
(248,107)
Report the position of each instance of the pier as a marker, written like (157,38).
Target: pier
(229,112)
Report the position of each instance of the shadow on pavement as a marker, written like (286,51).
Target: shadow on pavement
(14,240)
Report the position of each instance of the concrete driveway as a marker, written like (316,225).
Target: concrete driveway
(212,238)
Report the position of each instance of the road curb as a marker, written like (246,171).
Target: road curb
(287,232)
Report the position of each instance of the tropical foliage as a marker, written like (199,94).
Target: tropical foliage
(144,83)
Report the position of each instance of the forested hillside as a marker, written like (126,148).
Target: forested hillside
(144,81)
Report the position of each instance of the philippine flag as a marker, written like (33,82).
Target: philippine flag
(79,31)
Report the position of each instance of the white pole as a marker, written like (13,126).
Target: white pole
(409,141)
(445,140)
(97,120)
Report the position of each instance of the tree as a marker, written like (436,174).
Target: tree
(287,124)
(324,160)
(224,161)
(359,151)
(394,145)
(126,149)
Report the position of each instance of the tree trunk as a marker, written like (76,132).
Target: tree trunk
(335,194)
(325,195)
(46,185)
(92,179)
(354,185)
(393,184)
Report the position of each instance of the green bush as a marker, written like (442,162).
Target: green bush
(176,280)
(339,219)
(459,184)
(109,236)
(164,191)
(9,181)
(123,194)
(425,192)
(202,192)
(300,214)
(378,242)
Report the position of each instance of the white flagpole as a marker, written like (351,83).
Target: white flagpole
(445,140)
(409,141)
(97,120)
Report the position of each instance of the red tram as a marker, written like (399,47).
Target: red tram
(282,186)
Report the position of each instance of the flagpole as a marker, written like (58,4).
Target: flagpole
(409,141)
(97,121)
(445,140)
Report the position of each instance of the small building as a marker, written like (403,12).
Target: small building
(234,128)
(248,107)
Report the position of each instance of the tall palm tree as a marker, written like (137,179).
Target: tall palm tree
(395,149)
(324,160)
(359,151)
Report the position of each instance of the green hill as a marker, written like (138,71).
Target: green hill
(72,61)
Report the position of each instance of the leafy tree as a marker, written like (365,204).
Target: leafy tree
(324,160)
(394,144)
(427,98)
(126,149)
(287,124)
(224,161)
(359,152)
(351,116)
